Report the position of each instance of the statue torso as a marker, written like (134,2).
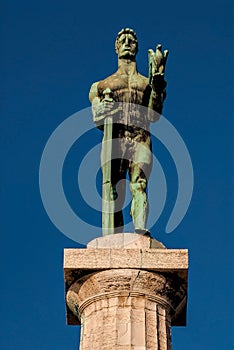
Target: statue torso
(130,88)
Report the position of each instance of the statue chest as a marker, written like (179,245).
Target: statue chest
(126,88)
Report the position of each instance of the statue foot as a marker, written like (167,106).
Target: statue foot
(142,231)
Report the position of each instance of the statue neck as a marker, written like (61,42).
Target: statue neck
(126,66)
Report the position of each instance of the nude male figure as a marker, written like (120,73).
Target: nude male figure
(131,125)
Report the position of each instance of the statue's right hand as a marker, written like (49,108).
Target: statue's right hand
(103,109)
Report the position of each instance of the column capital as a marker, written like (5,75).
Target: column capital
(119,269)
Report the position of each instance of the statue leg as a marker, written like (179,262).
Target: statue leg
(118,180)
(139,207)
(139,172)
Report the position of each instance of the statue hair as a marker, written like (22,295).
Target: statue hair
(125,31)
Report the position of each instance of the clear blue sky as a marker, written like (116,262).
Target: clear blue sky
(51,52)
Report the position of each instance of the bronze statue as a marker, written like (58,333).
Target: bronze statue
(117,107)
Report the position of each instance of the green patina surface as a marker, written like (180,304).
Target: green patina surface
(126,141)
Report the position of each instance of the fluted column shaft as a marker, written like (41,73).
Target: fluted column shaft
(121,310)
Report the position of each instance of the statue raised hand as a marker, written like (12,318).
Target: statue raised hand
(157,64)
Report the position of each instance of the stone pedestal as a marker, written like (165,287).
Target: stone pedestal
(124,293)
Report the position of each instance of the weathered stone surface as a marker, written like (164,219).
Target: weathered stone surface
(128,308)
(104,258)
(127,295)
(125,240)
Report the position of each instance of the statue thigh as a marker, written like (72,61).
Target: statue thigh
(136,159)
(140,167)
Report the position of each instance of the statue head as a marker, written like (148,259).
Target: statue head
(126,44)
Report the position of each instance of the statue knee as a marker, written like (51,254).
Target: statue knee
(138,186)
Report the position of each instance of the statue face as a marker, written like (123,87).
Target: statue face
(127,46)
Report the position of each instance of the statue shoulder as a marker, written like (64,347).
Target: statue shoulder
(109,82)
(144,79)
(93,91)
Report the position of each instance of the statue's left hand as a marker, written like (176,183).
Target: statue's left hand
(157,64)
(158,82)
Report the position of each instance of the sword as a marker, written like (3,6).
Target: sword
(107,192)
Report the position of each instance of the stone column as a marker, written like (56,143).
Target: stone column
(125,293)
